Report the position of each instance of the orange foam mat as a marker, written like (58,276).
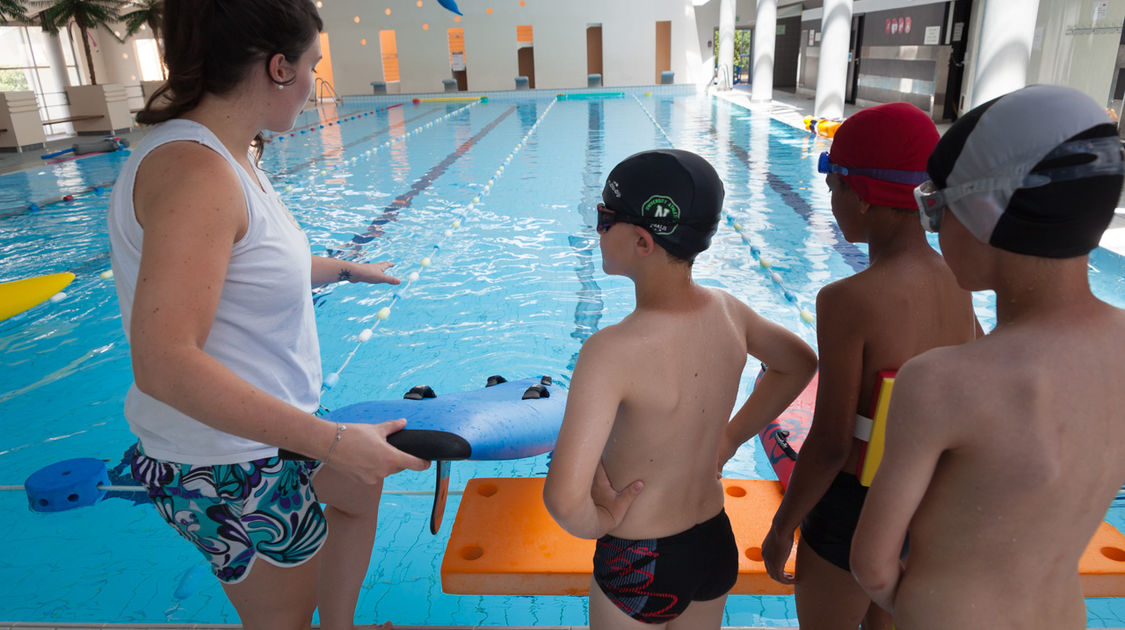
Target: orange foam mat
(1102,566)
(505,543)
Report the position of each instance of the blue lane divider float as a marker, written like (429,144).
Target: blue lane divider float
(384,312)
(808,317)
(339,120)
(38,205)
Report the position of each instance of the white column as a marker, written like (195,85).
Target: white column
(1007,29)
(725,47)
(56,60)
(832,71)
(765,35)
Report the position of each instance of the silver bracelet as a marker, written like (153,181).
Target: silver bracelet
(340,428)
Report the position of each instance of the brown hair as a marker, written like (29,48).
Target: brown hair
(211,45)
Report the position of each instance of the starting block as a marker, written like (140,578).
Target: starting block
(504,542)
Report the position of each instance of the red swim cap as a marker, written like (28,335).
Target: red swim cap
(892,136)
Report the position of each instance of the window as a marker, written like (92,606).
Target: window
(27,54)
(148,59)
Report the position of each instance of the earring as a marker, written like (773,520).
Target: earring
(280,86)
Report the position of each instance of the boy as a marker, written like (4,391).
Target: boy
(646,424)
(904,303)
(1003,454)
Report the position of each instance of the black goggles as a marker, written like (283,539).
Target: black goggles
(607,218)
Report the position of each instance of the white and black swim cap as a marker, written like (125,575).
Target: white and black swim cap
(1037,171)
(678,193)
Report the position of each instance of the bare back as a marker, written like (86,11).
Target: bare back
(1036,455)
(900,307)
(679,394)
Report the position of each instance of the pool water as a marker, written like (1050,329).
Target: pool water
(492,206)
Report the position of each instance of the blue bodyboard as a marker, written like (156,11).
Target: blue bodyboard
(485,424)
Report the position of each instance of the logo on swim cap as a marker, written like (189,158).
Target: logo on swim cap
(664,210)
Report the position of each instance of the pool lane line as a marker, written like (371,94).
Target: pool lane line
(328,123)
(384,312)
(394,126)
(321,124)
(853,256)
(406,199)
(808,316)
(38,205)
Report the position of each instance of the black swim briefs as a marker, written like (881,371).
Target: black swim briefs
(655,580)
(830,525)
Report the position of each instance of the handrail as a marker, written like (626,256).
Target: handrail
(323,87)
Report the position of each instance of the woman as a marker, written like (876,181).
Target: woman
(213,276)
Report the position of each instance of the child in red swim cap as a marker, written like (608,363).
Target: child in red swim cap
(906,302)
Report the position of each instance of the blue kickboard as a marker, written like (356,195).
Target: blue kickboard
(484,424)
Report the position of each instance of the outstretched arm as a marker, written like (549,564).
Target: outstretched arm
(192,209)
(328,270)
(578,493)
(914,444)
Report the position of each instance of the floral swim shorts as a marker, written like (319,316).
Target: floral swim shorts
(234,513)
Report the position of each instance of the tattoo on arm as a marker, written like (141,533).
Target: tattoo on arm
(345,275)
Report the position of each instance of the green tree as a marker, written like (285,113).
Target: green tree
(12,11)
(88,15)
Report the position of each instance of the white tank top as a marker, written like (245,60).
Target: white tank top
(264,329)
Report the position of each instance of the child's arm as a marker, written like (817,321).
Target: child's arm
(577,492)
(829,441)
(914,443)
(791,365)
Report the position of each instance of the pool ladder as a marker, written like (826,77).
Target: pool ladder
(323,91)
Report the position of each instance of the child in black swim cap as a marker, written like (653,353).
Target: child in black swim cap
(1025,186)
(676,195)
(648,420)
(1013,442)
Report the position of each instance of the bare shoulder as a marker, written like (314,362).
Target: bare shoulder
(850,292)
(845,307)
(187,175)
(611,345)
(733,306)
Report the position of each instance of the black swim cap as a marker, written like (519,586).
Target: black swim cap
(1037,171)
(678,190)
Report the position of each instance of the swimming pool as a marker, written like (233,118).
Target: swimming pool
(499,197)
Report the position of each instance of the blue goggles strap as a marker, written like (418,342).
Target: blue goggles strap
(912,178)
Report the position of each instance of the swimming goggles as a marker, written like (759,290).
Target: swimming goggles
(1106,157)
(608,218)
(825,165)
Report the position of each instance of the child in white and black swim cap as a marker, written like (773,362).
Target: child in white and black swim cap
(1037,171)
(676,195)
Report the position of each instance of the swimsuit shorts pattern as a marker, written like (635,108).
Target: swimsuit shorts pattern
(234,513)
(655,580)
(830,525)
